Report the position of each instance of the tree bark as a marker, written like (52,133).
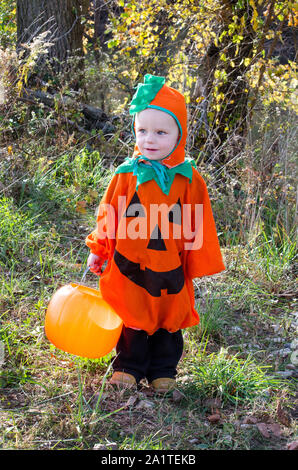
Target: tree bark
(101,16)
(61,19)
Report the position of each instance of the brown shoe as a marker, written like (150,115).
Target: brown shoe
(163,384)
(123,380)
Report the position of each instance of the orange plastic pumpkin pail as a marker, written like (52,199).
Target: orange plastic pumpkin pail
(79,321)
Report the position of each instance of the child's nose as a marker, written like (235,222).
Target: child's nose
(150,137)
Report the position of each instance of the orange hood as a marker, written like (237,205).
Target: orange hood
(166,99)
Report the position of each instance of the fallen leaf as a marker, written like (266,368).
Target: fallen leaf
(293,445)
(193,441)
(250,420)
(71,139)
(107,446)
(262,427)
(214,418)
(93,195)
(177,396)
(145,404)
(275,429)
(282,415)
(112,445)
(81,207)
(131,401)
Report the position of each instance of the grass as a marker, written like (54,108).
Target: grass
(229,377)
(231,364)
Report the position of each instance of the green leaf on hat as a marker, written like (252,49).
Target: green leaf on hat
(145,93)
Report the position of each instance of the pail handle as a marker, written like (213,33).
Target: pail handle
(85,273)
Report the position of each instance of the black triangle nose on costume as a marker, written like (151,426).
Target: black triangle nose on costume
(156,241)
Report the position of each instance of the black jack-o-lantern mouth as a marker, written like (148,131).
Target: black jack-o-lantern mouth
(154,282)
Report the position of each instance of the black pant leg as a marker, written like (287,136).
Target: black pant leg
(132,353)
(165,351)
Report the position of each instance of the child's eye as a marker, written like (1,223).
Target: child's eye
(141,131)
(161,132)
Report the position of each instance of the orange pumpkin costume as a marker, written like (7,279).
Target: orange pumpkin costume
(151,263)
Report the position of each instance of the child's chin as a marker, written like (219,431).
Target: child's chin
(154,157)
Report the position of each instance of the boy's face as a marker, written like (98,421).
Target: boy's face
(157,133)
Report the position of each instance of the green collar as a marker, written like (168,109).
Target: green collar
(163,175)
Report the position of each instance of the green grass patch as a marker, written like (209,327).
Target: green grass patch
(19,236)
(230,377)
(276,254)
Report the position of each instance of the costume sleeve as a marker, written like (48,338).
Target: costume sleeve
(203,255)
(101,241)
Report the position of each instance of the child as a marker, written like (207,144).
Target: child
(156,230)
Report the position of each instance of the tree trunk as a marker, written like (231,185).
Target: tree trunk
(101,16)
(61,19)
(229,121)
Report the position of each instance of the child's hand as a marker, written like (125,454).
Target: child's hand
(94,262)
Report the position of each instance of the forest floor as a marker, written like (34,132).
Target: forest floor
(236,383)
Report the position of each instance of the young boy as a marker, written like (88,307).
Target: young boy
(156,230)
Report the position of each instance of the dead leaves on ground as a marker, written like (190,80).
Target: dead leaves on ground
(215,418)
(268,426)
(269,429)
(282,415)
(293,445)
(91,197)
(214,404)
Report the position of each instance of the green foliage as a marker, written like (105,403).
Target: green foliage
(276,254)
(8,26)
(82,169)
(18,237)
(230,378)
(219,53)
(214,312)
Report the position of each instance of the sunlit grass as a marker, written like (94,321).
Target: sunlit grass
(275,253)
(230,377)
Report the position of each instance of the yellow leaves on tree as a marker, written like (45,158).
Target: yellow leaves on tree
(217,43)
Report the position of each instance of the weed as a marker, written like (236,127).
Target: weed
(229,377)
(275,254)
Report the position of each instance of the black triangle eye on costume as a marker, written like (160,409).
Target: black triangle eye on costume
(136,209)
